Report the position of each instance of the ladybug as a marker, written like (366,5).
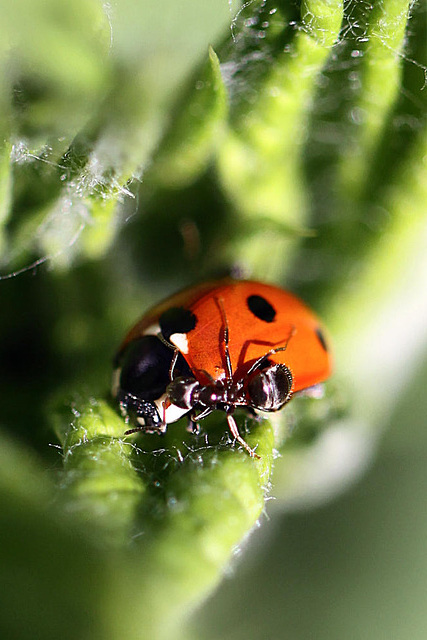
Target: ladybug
(218,345)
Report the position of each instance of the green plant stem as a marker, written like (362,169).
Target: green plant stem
(380,78)
(260,159)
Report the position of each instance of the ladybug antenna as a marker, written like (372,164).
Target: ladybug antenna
(226,339)
(175,350)
(260,360)
(236,435)
(166,342)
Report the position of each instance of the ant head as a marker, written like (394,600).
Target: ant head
(269,386)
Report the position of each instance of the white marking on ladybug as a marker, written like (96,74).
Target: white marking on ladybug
(180,341)
(152,330)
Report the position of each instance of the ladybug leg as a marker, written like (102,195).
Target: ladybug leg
(173,363)
(236,435)
(143,414)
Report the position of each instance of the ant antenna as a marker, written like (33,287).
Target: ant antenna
(257,363)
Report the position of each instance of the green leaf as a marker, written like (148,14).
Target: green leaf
(5,194)
(55,56)
(195,131)
(187,507)
(377,300)
(43,556)
(260,159)
(86,120)
(273,170)
(99,483)
(380,75)
(208,504)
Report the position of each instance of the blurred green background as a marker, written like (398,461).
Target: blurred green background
(355,567)
(147,146)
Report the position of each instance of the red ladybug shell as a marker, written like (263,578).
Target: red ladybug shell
(260,317)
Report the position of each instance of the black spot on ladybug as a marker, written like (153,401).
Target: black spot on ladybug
(177,320)
(322,339)
(145,364)
(261,308)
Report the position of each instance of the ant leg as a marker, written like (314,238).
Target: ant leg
(203,414)
(193,426)
(173,363)
(226,339)
(267,343)
(193,420)
(235,433)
